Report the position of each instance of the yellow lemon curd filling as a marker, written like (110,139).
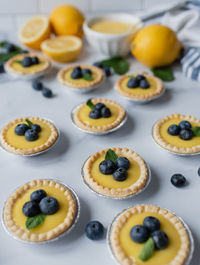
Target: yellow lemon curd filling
(50,221)
(19,67)
(176,140)
(67,76)
(84,116)
(111,27)
(108,180)
(133,249)
(20,142)
(138,90)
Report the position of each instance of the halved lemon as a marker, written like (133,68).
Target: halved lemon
(35,31)
(63,48)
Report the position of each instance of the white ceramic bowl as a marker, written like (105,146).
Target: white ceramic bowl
(112,44)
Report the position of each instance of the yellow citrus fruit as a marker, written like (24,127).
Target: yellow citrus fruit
(35,31)
(62,48)
(156,45)
(67,20)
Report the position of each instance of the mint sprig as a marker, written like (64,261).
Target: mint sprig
(5,56)
(90,104)
(29,123)
(164,73)
(111,155)
(87,77)
(119,64)
(196,131)
(147,250)
(34,221)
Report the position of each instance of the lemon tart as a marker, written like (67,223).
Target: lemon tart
(168,243)
(15,65)
(46,225)
(99,115)
(139,87)
(21,138)
(116,172)
(178,133)
(81,77)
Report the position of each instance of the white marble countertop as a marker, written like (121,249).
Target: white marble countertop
(64,162)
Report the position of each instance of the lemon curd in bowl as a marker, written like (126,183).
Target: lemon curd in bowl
(112,27)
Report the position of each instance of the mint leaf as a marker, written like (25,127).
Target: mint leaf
(111,155)
(4,57)
(3,44)
(88,77)
(147,250)
(119,65)
(90,104)
(164,73)
(196,131)
(29,123)
(34,221)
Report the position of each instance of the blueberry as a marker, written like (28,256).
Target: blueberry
(132,83)
(27,61)
(31,209)
(198,171)
(94,230)
(36,127)
(151,223)
(123,162)
(160,239)
(144,84)
(98,64)
(140,77)
(107,71)
(49,205)
(37,85)
(120,174)
(95,114)
(47,93)
(185,125)
(2,70)
(76,73)
(186,134)
(24,51)
(21,128)
(86,71)
(10,47)
(99,106)
(139,234)
(105,112)
(35,60)
(31,135)
(173,129)
(107,167)
(38,195)
(178,180)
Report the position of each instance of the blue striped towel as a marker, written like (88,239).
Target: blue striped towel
(191,64)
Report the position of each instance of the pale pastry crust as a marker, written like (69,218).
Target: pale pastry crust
(26,235)
(92,83)
(117,249)
(34,71)
(8,146)
(83,125)
(162,142)
(158,91)
(111,192)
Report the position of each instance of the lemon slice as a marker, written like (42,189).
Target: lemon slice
(35,31)
(63,48)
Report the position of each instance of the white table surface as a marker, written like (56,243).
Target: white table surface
(18,99)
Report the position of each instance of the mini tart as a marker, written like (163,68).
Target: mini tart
(19,145)
(16,68)
(106,185)
(64,77)
(174,143)
(82,119)
(155,89)
(53,225)
(126,251)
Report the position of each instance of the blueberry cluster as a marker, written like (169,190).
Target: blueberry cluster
(30,132)
(38,85)
(78,72)
(94,230)
(138,81)
(118,169)
(100,111)
(150,228)
(40,203)
(29,61)
(183,130)
(106,70)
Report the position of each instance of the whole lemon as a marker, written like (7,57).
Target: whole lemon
(67,20)
(156,45)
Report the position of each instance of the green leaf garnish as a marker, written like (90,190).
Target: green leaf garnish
(164,73)
(3,44)
(119,65)
(5,56)
(90,104)
(18,61)
(147,250)
(88,77)
(29,123)
(196,131)
(111,155)
(34,221)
